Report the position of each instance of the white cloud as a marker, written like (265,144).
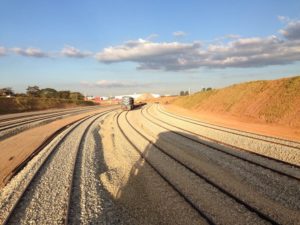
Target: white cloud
(114,84)
(2,51)
(179,34)
(31,52)
(292,30)
(232,36)
(284,19)
(240,52)
(73,52)
(152,36)
(153,55)
(142,50)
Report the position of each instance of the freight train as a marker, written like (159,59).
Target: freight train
(127,103)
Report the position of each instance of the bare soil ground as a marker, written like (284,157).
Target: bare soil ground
(16,149)
(272,102)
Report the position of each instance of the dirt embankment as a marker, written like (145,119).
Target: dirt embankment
(272,102)
(25,104)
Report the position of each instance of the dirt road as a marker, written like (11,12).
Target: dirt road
(147,166)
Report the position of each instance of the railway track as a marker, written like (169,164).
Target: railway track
(187,199)
(201,212)
(15,126)
(206,181)
(75,185)
(163,141)
(214,147)
(275,151)
(19,116)
(15,122)
(260,137)
(25,207)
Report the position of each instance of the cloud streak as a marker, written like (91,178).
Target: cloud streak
(179,34)
(107,84)
(31,52)
(70,51)
(2,51)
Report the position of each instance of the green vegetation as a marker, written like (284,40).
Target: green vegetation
(38,99)
(184,93)
(275,101)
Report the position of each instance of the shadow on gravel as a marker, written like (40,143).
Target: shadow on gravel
(149,199)
(111,213)
(138,106)
(146,196)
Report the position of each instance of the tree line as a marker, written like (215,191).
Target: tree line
(184,93)
(35,91)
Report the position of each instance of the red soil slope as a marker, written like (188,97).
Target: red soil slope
(272,102)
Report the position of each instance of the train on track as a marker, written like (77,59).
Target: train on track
(128,103)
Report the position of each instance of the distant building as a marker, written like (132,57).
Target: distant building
(89,98)
(96,99)
(135,96)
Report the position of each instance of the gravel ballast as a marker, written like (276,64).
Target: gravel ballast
(277,151)
(134,168)
(47,195)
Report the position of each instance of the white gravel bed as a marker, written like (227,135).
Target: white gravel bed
(221,208)
(12,191)
(265,137)
(273,150)
(253,184)
(45,200)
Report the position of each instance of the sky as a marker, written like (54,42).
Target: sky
(121,47)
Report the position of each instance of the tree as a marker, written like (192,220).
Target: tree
(64,94)
(48,93)
(186,93)
(181,93)
(76,96)
(6,91)
(203,89)
(33,91)
(208,89)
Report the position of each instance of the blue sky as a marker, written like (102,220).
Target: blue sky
(119,47)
